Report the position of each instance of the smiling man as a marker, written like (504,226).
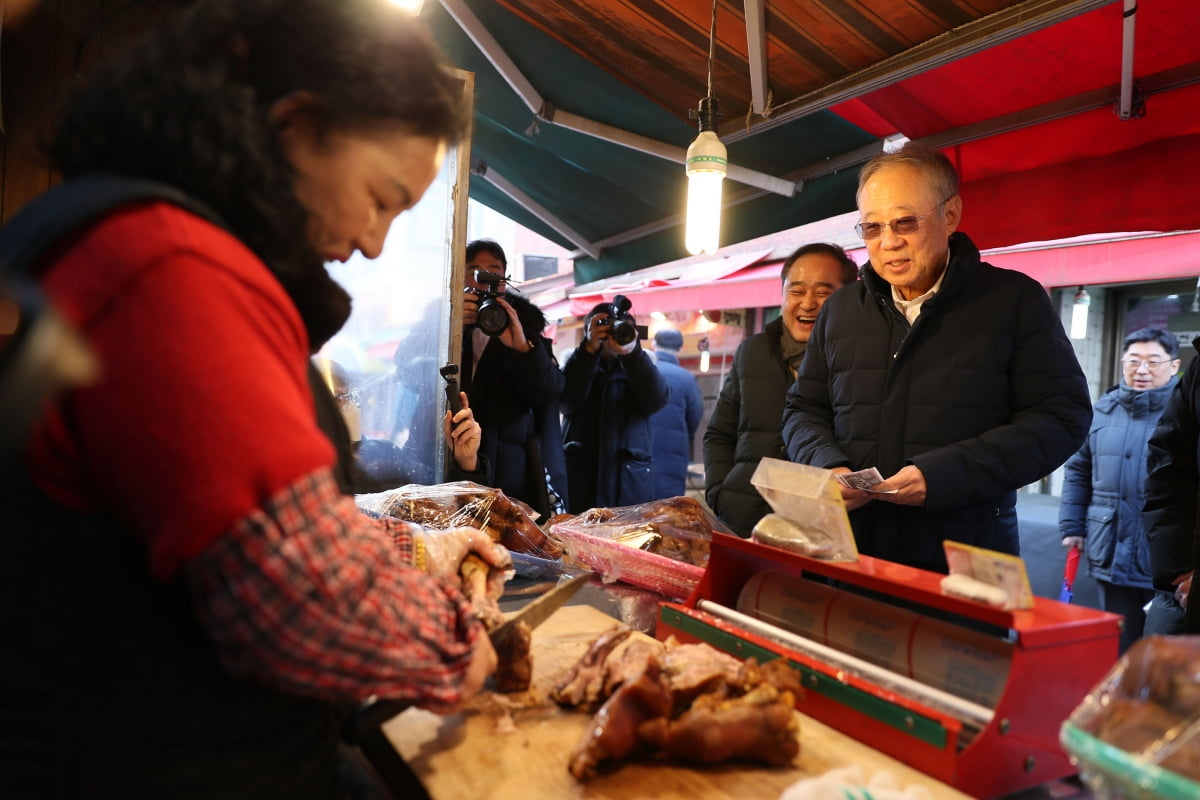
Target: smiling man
(744,427)
(953,377)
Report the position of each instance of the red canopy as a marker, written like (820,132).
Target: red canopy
(1083,173)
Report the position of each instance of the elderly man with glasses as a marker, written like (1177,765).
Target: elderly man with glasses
(1103,490)
(950,376)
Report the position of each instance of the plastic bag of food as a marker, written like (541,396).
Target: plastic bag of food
(464,503)
(810,517)
(1137,733)
(662,545)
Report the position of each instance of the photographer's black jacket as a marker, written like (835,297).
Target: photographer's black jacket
(515,400)
(607,436)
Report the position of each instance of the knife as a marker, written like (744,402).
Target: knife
(539,610)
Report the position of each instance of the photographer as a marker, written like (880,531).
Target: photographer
(612,389)
(509,372)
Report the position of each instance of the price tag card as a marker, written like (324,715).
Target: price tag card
(1002,570)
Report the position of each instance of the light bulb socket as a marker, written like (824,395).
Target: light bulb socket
(707,114)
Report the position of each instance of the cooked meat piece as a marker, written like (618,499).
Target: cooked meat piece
(514,671)
(584,684)
(616,731)
(513,521)
(1133,725)
(625,666)
(695,669)
(777,673)
(677,528)
(758,726)
(1183,756)
(691,701)
(459,503)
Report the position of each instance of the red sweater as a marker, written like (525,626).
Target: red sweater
(201,436)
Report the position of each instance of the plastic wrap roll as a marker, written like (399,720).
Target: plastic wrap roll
(957,660)
(873,631)
(966,663)
(794,604)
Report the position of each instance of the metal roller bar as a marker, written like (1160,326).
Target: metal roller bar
(970,714)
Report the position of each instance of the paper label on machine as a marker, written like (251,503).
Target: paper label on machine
(996,578)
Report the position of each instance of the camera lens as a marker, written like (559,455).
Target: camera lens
(491,317)
(624,331)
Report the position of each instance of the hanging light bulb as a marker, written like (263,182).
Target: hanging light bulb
(707,162)
(411,6)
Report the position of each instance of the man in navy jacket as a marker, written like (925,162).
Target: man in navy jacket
(609,394)
(954,378)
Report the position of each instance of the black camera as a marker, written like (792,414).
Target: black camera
(623,329)
(492,317)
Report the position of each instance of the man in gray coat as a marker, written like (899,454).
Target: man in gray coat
(952,377)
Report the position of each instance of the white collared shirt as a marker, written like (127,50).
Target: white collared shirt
(911,309)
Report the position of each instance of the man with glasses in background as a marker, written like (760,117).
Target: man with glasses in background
(952,378)
(1103,490)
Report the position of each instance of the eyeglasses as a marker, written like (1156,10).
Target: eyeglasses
(1149,363)
(900,226)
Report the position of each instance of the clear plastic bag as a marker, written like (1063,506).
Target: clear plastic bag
(1137,733)
(810,517)
(464,503)
(662,545)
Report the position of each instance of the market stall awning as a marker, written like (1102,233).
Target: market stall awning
(1084,260)
(1027,96)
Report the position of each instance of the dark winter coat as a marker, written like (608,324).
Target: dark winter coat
(675,425)
(983,394)
(745,427)
(515,399)
(1172,478)
(1102,490)
(607,438)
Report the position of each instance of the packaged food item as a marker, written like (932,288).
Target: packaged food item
(810,517)
(465,503)
(662,545)
(1137,733)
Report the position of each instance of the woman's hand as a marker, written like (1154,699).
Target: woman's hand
(464,435)
(444,551)
(483,664)
(1072,541)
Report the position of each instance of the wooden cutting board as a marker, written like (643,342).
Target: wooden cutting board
(468,756)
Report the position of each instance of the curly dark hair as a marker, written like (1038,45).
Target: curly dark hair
(190,105)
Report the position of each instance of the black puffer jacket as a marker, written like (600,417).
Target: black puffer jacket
(1172,481)
(983,394)
(607,436)
(744,428)
(515,400)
